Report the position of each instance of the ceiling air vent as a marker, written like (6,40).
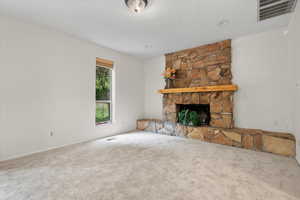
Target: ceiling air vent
(274,8)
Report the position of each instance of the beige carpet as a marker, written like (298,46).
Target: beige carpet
(150,167)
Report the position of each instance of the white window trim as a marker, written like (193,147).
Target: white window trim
(110,121)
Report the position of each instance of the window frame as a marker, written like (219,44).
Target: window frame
(105,101)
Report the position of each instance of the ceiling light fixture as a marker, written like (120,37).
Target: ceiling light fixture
(136,6)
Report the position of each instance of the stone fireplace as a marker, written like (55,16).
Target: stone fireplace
(203,84)
(208,65)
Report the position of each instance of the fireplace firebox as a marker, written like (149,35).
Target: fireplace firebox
(193,114)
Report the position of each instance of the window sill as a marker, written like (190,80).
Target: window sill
(103,123)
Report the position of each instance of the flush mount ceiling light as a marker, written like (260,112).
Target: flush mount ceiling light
(136,5)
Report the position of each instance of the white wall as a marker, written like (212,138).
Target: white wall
(153,68)
(260,70)
(47,84)
(294,61)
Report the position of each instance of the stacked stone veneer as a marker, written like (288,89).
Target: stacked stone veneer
(258,140)
(202,66)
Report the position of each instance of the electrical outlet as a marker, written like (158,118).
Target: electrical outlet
(51,133)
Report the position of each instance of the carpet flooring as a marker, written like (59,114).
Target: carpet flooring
(144,166)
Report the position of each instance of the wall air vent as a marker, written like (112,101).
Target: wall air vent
(274,8)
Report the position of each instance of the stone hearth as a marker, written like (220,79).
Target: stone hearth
(258,140)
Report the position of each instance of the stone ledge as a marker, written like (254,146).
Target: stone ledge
(253,139)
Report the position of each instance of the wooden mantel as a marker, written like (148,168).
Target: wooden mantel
(214,88)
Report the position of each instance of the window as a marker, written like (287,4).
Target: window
(103,91)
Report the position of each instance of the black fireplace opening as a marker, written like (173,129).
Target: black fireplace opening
(193,114)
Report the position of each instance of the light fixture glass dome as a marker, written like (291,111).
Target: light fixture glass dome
(136,5)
